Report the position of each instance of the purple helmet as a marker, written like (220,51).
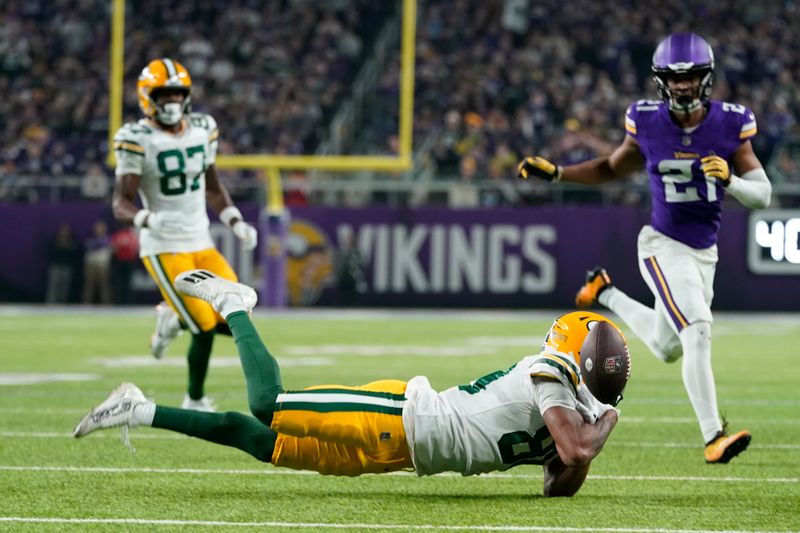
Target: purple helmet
(684,53)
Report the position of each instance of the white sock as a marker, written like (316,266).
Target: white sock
(173,324)
(143,413)
(229,303)
(640,318)
(698,378)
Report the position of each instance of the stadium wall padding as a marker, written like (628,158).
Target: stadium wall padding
(429,257)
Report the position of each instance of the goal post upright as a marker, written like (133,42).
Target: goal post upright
(274,225)
(116,75)
(274,219)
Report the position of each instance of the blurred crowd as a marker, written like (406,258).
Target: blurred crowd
(516,77)
(495,79)
(272,73)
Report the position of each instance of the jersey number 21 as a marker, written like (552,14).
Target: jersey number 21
(676,172)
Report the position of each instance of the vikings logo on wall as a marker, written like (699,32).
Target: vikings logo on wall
(309,262)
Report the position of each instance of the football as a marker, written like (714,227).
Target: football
(605,363)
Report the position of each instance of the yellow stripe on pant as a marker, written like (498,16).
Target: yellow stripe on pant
(343,431)
(163,268)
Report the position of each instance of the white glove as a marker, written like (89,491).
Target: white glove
(165,223)
(590,407)
(246,233)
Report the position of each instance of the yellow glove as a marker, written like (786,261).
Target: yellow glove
(713,166)
(540,168)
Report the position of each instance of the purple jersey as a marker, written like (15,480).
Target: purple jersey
(686,206)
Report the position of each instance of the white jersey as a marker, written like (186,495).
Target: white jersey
(172,169)
(493,423)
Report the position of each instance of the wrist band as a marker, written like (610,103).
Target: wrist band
(229,213)
(141,217)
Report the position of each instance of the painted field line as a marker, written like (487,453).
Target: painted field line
(732,401)
(107,435)
(46,411)
(175,436)
(691,420)
(274,471)
(698,446)
(218,361)
(355,526)
(631,419)
(375,313)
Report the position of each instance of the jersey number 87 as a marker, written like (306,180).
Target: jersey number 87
(173,180)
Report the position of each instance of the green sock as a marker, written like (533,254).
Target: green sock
(224,329)
(261,370)
(230,429)
(199,354)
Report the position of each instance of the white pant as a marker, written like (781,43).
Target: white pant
(680,277)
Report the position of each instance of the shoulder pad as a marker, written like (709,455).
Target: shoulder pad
(203,120)
(556,366)
(744,119)
(647,105)
(630,120)
(132,137)
(133,131)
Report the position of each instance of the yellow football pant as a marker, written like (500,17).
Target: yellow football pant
(342,431)
(163,268)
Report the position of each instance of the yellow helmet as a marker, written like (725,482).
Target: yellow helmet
(163,73)
(568,332)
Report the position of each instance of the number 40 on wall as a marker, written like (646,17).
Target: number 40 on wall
(774,242)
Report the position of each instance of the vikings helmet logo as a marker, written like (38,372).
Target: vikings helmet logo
(309,262)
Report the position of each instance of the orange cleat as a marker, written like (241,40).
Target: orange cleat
(724,447)
(597,280)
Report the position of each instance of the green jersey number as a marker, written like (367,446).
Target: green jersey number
(171,164)
(199,121)
(138,129)
(520,447)
(517,447)
(479,384)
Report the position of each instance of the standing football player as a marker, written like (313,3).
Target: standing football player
(694,150)
(168,159)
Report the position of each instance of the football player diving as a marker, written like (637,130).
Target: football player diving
(695,150)
(536,412)
(167,159)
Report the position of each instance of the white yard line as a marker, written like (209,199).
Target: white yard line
(354,526)
(377,314)
(661,420)
(697,445)
(270,471)
(175,436)
(31,393)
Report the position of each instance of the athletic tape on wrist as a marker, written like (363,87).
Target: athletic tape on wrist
(140,217)
(229,213)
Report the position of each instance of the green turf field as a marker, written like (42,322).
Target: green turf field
(650,477)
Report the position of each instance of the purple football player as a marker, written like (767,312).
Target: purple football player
(694,150)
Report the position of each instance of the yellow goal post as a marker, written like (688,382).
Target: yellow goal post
(273,164)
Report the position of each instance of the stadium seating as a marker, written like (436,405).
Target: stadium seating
(494,79)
